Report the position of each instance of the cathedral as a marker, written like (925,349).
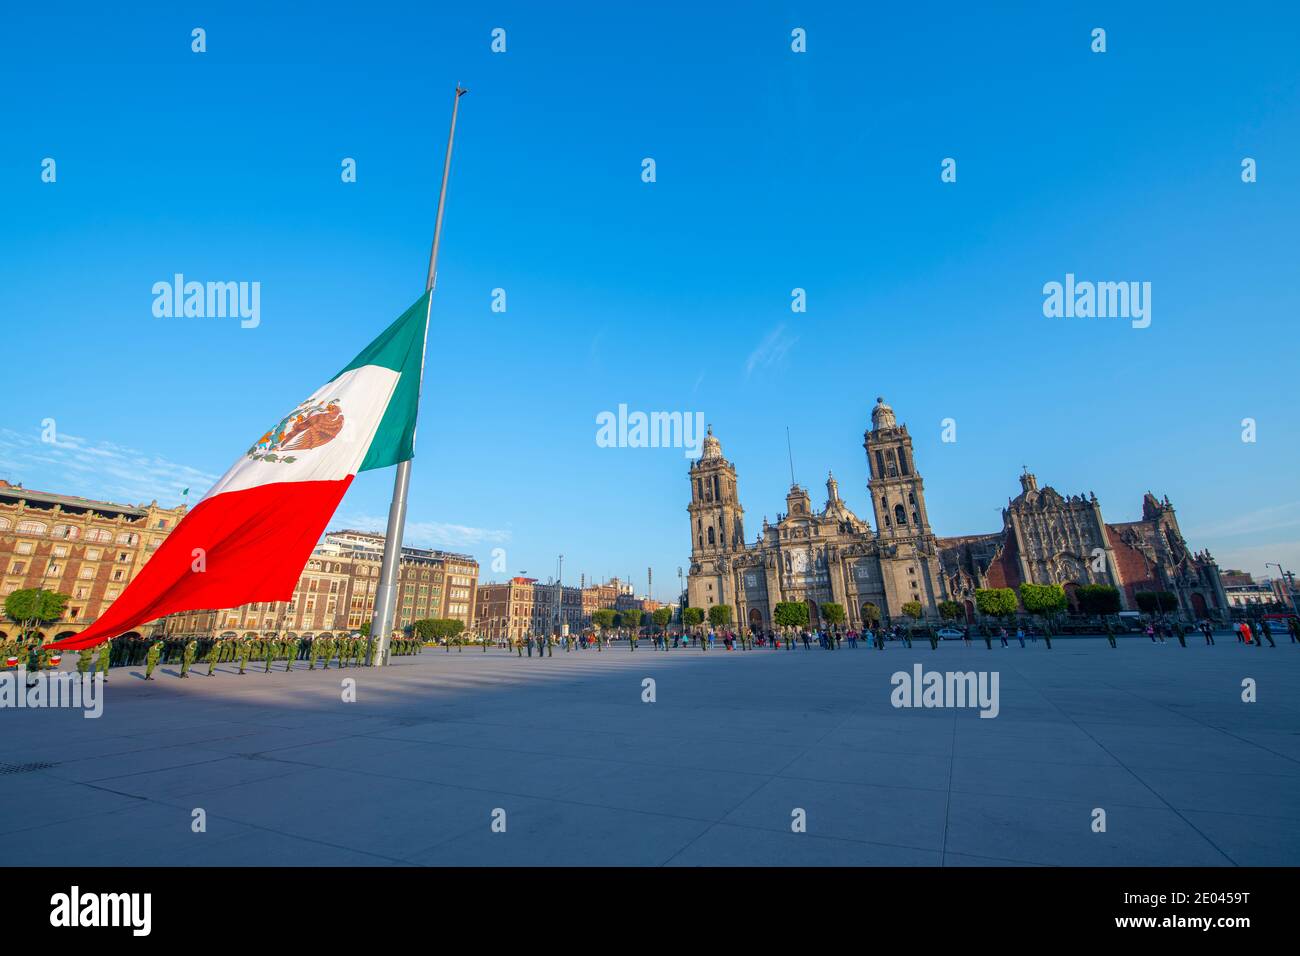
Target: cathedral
(816,555)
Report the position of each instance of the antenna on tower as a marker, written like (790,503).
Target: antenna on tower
(790,450)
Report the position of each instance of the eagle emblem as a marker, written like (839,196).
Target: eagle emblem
(308,426)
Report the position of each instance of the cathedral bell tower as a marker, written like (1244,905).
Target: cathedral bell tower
(717,519)
(717,528)
(897,491)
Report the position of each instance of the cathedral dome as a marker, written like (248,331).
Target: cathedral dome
(712,447)
(882,416)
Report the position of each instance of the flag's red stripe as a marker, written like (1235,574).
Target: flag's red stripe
(254,544)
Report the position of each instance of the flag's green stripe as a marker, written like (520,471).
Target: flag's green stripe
(401,348)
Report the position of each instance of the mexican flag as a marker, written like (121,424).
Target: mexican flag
(250,536)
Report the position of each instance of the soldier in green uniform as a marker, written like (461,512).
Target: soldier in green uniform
(84,660)
(1110,634)
(213,653)
(312,651)
(105,650)
(151,660)
(245,648)
(187,657)
(270,654)
(290,650)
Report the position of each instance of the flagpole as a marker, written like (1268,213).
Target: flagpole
(386,596)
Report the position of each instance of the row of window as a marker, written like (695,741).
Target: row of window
(71,532)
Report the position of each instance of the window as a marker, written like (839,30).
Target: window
(900,516)
(18,567)
(87,572)
(93,554)
(24,547)
(31,527)
(98,534)
(59,551)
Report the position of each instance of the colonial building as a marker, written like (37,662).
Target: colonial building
(522,606)
(1050,538)
(88,550)
(336,592)
(821,554)
(828,553)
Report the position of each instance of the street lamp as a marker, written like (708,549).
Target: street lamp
(1286,583)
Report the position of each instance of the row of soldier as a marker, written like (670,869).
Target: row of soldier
(34,655)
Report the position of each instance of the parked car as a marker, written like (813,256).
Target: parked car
(951,633)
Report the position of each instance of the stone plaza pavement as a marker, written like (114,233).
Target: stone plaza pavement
(710,773)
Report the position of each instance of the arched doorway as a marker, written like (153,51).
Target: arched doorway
(813,615)
(870,614)
(62,634)
(755,619)
(1199,607)
(969,605)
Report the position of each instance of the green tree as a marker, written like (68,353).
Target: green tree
(950,610)
(438,628)
(720,615)
(1097,599)
(790,614)
(996,602)
(870,613)
(1044,600)
(692,616)
(604,618)
(833,614)
(364,629)
(630,619)
(913,610)
(32,606)
(1156,602)
(662,616)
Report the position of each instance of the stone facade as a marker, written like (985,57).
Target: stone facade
(817,555)
(88,550)
(830,554)
(1049,538)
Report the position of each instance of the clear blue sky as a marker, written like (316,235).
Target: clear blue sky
(775,171)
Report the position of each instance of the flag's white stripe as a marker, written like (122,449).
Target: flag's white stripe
(362,395)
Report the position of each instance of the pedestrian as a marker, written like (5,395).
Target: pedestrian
(1020,635)
(1268,633)
(187,658)
(151,659)
(988,637)
(1181,633)
(1110,634)
(1208,630)
(1293,628)
(1002,634)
